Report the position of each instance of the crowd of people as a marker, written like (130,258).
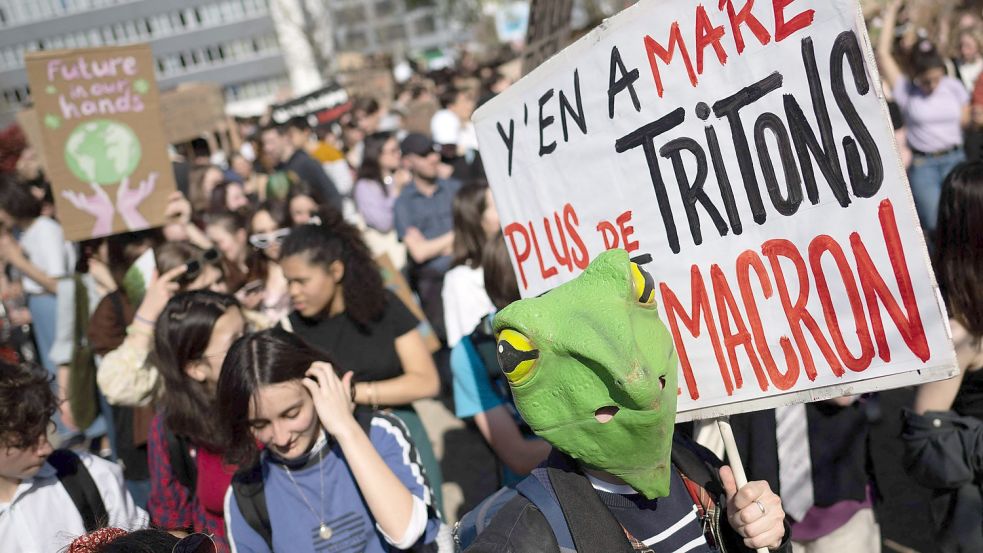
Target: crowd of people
(244,377)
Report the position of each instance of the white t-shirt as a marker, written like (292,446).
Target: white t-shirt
(445,127)
(465,301)
(41,517)
(44,244)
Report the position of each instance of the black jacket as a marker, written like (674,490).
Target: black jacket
(519,527)
(944,452)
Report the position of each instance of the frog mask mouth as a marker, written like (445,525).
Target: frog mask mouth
(593,371)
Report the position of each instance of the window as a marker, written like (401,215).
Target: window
(426,25)
(385,8)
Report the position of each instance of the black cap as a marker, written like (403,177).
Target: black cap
(419,144)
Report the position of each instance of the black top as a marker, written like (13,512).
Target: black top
(838,450)
(368,352)
(311,172)
(969,399)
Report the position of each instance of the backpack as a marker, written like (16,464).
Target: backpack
(77,481)
(250,496)
(184,465)
(691,467)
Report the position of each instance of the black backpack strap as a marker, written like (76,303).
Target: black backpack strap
(247,487)
(183,465)
(77,481)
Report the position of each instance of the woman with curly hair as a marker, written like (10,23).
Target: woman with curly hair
(341,307)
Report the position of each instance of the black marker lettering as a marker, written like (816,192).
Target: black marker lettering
(565,108)
(644,136)
(723,181)
(864,186)
(626,80)
(543,123)
(805,140)
(793,183)
(508,139)
(692,193)
(730,108)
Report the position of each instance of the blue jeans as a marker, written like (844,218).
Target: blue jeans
(44,315)
(925,176)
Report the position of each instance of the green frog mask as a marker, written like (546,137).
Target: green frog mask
(593,371)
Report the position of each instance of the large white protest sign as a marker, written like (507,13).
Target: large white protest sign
(745,146)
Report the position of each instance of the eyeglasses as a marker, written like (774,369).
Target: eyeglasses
(195,266)
(195,543)
(266,239)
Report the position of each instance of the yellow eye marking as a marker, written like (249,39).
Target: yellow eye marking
(644,285)
(516,356)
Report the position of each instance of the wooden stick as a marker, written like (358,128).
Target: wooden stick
(734,457)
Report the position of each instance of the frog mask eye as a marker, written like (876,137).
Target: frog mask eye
(643,285)
(516,356)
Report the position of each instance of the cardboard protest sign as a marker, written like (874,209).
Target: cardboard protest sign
(104,148)
(323,105)
(192,110)
(548,31)
(748,151)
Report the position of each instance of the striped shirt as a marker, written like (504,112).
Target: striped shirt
(664,525)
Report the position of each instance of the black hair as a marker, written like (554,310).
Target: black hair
(26,404)
(959,245)
(279,128)
(337,240)
(366,105)
(925,57)
(219,200)
(149,540)
(299,123)
(449,96)
(467,208)
(500,282)
(16,199)
(181,336)
(270,356)
(371,151)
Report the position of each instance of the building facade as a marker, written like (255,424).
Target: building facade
(397,27)
(230,42)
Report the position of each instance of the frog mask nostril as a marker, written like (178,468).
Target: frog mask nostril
(662,382)
(606,413)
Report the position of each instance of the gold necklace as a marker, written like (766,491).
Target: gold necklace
(323,529)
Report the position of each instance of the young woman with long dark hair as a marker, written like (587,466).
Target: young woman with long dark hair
(942,434)
(333,477)
(188,478)
(475,222)
(341,307)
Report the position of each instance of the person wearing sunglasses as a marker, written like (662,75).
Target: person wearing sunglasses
(266,236)
(330,477)
(188,479)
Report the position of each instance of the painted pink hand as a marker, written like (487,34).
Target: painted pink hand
(128,201)
(98,205)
